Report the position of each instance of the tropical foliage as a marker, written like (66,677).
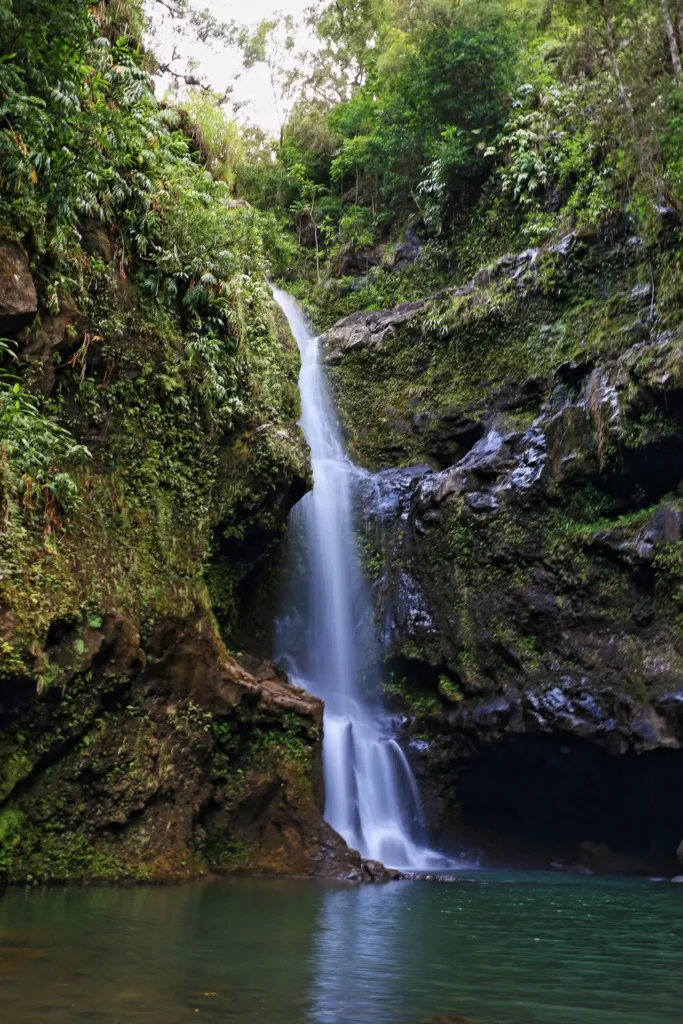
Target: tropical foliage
(544,112)
(83,142)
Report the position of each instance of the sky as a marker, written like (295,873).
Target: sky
(219,65)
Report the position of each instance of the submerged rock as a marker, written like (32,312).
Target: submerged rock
(373,871)
(448,1018)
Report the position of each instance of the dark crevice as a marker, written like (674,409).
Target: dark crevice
(62,631)
(542,799)
(639,477)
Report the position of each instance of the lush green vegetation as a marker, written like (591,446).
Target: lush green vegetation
(156,347)
(482,123)
(482,126)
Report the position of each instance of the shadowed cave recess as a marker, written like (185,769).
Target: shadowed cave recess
(536,801)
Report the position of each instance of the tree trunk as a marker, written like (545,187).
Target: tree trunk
(317,251)
(673,43)
(613,50)
(644,157)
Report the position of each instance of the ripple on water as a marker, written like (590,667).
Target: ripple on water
(509,949)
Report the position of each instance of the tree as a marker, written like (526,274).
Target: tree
(271,43)
(673,41)
(308,204)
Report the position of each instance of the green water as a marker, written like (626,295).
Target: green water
(504,950)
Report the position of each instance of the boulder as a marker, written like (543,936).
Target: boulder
(95,240)
(600,858)
(366,330)
(18,298)
(407,251)
(60,332)
(663,528)
(358,261)
(374,871)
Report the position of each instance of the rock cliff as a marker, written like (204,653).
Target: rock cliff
(133,745)
(161,760)
(524,537)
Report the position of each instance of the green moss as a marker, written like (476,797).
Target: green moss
(143,539)
(225,852)
(11,823)
(372,556)
(405,694)
(449,690)
(18,765)
(560,307)
(57,828)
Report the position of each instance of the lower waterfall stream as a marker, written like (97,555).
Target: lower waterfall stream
(324,638)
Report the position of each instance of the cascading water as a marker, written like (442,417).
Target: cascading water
(325,639)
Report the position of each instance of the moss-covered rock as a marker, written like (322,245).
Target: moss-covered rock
(132,745)
(533,564)
(162,760)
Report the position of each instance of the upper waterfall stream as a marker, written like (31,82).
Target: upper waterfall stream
(325,638)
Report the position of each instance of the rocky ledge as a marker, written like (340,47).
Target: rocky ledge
(161,761)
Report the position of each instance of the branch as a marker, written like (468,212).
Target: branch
(172,10)
(166,69)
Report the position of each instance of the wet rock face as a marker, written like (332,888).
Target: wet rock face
(496,465)
(18,299)
(532,579)
(161,760)
(614,721)
(366,330)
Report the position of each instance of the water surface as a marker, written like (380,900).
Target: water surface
(506,949)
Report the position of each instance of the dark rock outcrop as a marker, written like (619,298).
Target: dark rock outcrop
(354,261)
(530,586)
(18,298)
(366,330)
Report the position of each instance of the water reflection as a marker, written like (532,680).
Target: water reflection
(359,951)
(502,951)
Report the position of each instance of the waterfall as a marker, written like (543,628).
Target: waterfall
(325,639)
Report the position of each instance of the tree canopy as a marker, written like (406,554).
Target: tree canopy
(420,111)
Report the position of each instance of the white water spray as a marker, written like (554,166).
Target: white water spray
(324,638)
